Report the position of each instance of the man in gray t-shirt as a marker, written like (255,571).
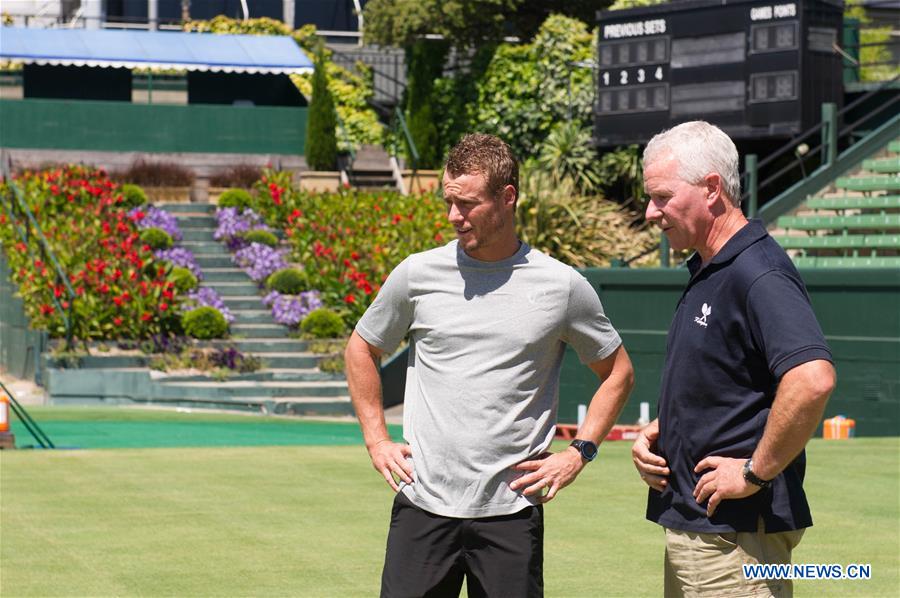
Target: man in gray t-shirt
(488,319)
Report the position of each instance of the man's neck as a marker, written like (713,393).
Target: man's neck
(723,228)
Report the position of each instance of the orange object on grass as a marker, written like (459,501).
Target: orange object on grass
(838,428)
(4,413)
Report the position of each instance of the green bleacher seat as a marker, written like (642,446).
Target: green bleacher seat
(869,183)
(886,165)
(871,202)
(894,146)
(882,241)
(862,221)
(823,242)
(848,262)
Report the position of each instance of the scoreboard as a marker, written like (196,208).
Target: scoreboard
(758,69)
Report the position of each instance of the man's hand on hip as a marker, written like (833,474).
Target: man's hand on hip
(389,459)
(724,480)
(553,471)
(651,466)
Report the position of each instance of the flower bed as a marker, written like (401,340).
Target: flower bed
(121,288)
(348,242)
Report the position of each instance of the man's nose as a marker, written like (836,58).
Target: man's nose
(453,215)
(652,213)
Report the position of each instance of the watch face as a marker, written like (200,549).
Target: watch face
(588,449)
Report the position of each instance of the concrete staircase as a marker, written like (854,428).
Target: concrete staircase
(289,383)
(372,169)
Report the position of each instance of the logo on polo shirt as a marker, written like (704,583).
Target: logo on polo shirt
(705,310)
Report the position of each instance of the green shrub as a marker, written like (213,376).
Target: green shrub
(156,238)
(132,196)
(321,138)
(261,236)
(184,279)
(235,198)
(204,323)
(288,281)
(323,323)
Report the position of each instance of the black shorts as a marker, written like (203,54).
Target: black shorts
(428,555)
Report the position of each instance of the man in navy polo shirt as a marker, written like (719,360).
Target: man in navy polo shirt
(746,379)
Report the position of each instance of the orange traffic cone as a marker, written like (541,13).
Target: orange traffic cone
(7,440)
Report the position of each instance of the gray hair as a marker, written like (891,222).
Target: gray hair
(700,148)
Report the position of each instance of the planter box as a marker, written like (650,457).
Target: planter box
(424,181)
(325,181)
(168,194)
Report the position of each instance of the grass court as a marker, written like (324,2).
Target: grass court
(157,503)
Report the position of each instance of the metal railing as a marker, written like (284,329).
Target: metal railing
(26,227)
(813,149)
(32,426)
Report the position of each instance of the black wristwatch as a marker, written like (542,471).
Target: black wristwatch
(587,449)
(752,477)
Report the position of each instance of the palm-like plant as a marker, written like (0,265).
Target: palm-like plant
(568,153)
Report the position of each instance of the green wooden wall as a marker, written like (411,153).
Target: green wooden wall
(123,126)
(859,311)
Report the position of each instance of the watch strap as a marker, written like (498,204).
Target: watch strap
(752,477)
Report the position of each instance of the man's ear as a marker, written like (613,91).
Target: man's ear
(713,188)
(509,196)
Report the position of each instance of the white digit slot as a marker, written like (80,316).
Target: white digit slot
(623,78)
(658,73)
(606,78)
(640,76)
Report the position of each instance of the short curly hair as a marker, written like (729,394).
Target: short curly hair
(487,155)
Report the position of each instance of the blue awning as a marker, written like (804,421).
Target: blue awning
(154,49)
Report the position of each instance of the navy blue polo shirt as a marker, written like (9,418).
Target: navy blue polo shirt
(743,321)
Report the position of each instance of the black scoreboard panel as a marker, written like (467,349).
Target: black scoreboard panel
(757,69)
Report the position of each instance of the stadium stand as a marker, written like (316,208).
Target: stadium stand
(855,223)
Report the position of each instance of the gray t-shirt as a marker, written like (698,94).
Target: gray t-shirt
(482,386)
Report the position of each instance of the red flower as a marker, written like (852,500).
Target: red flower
(104,288)
(354,255)
(397,218)
(349,299)
(438,237)
(146,316)
(168,294)
(117,301)
(163,306)
(117,321)
(46,309)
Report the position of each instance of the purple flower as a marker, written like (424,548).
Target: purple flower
(156,218)
(232,224)
(179,256)
(259,261)
(290,310)
(207,297)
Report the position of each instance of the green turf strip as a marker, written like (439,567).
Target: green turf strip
(92,428)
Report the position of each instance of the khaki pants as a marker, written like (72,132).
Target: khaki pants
(700,564)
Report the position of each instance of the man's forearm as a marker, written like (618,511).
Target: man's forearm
(610,398)
(364,381)
(796,411)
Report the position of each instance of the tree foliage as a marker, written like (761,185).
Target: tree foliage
(425,61)
(526,87)
(321,142)
(467,23)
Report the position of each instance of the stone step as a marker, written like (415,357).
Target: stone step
(206,248)
(258,331)
(216,275)
(262,347)
(187,208)
(253,388)
(232,289)
(192,221)
(264,375)
(199,234)
(252,316)
(241,303)
(206,260)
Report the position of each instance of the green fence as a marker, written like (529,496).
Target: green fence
(859,311)
(20,346)
(122,126)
